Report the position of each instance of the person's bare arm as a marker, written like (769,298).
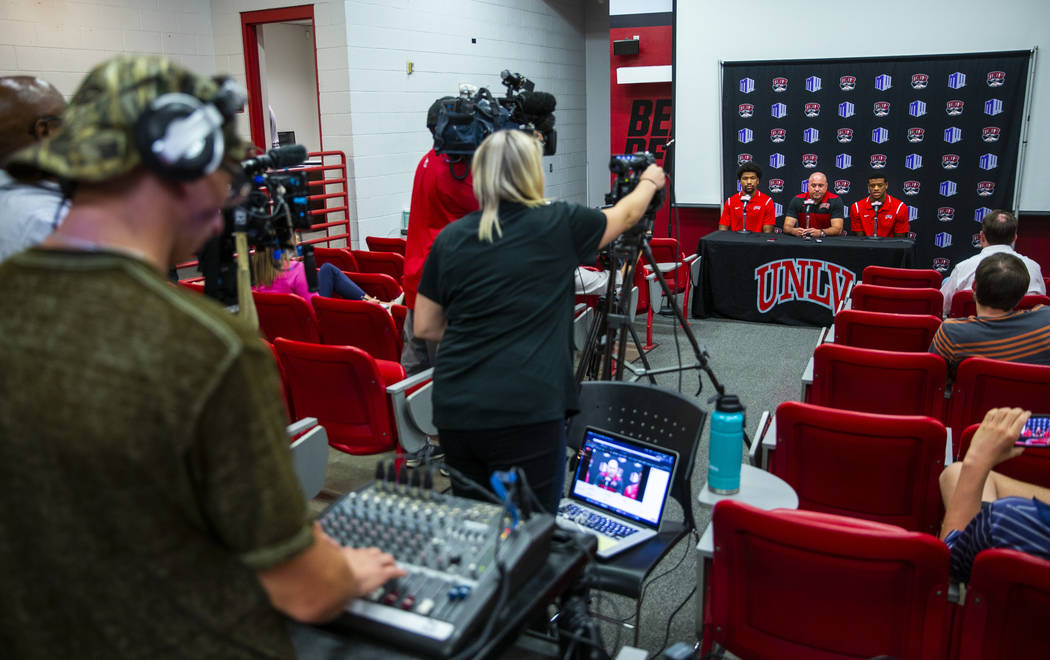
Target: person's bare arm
(631,208)
(723,227)
(429,320)
(836,227)
(992,444)
(316,584)
(790,228)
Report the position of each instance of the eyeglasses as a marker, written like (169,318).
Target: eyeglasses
(240,185)
(47,119)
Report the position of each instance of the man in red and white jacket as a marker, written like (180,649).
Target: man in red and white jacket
(879,208)
(759,207)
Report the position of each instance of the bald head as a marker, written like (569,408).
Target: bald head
(29,111)
(818,186)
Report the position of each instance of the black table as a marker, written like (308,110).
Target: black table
(775,278)
(564,566)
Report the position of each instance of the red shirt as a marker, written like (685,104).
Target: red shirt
(438,198)
(760,211)
(819,216)
(893,216)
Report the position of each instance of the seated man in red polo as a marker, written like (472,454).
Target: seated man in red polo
(758,208)
(816,213)
(879,209)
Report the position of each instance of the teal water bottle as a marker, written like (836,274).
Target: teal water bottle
(727,446)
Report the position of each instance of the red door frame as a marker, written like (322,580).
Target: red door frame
(250,20)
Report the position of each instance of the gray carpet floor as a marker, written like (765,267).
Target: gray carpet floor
(762,364)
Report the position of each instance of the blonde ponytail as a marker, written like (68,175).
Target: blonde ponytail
(507,166)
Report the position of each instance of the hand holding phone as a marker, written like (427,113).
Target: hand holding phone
(1036,432)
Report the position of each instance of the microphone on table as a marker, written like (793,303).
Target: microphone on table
(875,221)
(808,207)
(746,199)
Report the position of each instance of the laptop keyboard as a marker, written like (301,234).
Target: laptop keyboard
(600,524)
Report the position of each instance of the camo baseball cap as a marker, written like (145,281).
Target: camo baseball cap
(97,140)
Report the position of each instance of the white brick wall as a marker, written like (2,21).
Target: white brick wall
(61,40)
(371,109)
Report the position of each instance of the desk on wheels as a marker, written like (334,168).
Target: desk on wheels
(775,278)
(564,566)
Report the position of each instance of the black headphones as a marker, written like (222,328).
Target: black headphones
(179,136)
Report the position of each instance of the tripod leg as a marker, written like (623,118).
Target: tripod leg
(641,353)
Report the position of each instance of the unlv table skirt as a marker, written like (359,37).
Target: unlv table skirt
(775,278)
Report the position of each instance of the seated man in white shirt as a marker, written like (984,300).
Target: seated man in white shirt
(998,233)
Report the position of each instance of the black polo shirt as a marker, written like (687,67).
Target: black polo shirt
(505,358)
(820,215)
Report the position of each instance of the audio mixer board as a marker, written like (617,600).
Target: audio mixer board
(449,546)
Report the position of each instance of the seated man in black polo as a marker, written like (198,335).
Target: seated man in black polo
(816,213)
(748,209)
(879,210)
(998,331)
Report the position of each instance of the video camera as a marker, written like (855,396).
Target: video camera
(464,121)
(628,170)
(275,208)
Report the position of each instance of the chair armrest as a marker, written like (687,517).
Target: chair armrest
(760,433)
(807,378)
(413,413)
(309,455)
(581,327)
(949,450)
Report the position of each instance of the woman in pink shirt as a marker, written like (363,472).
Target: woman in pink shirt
(275,272)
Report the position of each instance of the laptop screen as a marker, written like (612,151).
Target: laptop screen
(623,476)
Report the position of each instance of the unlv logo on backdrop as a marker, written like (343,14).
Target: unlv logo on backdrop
(743,158)
(776,185)
(746,109)
(941,264)
(801,280)
(848,83)
(878,161)
(954,107)
(841,186)
(990,133)
(950,161)
(812,110)
(778,134)
(845,135)
(780,84)
(945,214)
(916,134)
(975,240)
(882,108)
(809,160)
(985,188)
(911,187)
(919,81)
(996,78)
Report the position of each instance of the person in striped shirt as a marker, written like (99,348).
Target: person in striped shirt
(998,331)
(985,509)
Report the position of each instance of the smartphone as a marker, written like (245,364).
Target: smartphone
(1036,432)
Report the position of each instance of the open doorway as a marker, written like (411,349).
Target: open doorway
(280,65)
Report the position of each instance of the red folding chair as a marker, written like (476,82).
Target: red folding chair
(286,315)
(384,244)
(345,389)
(195,285)
(885,331)
(338,257)
(982,384)
(905,278)
(1032,466)
(1005,610)
(378,285)
(963,304)
(358,323)
(872,298)
(290,412)
(388,263)
(877,467)
(678,278)
(804,584)
(886,382)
